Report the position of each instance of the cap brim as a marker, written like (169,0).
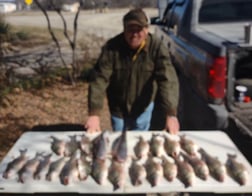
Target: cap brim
(134,22)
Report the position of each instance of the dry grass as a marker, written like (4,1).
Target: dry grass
(33,36)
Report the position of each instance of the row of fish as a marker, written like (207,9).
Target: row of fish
(159,157)
(192,160)
(97,148)
(75,168)
(72,169)
(158,145)
(24,167)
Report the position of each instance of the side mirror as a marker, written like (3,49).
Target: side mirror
(180,2)
(156,21)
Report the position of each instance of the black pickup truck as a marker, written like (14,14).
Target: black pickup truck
(211,48)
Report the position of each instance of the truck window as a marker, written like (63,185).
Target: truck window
(225,11)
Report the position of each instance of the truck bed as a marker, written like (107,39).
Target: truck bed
(229,32)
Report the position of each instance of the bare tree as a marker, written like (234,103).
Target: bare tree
(74,73)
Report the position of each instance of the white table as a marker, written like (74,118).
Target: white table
(215,142)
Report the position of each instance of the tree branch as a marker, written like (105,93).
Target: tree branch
(54,38)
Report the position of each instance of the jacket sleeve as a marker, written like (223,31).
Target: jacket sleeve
(167,81)
(100,76)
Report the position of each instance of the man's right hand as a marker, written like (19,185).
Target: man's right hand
(92,124)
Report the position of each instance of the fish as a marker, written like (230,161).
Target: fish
(117,174)
(119,147)
(157,145)
(84,166)
(55,168)
(86,144)
(137,173)
(237,170)
(170,169)
(100,146)
(43,164)
(216,168)
(29,168)
(188,145)
(71,146)
(58,146)
(142,148)
(155,171)
(70,172)
(185,172)
(16,164)
(171,146)
(200,167)
(99,171)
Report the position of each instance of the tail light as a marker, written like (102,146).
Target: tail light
(217,78)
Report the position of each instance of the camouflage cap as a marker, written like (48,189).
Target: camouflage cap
(135,16)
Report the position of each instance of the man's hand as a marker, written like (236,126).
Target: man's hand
(172,124)
(92,124)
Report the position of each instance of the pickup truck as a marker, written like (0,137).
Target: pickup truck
(210,46)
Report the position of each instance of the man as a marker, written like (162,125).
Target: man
(132,69)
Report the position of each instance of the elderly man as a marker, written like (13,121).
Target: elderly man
(132,69)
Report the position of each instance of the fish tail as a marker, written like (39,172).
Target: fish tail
(66,180)
(6,175)
(138,182)
(53,138)
(124,133)
(23,151)
(231,156)
(48,177)
(36,177)
(21,179)
(116,186)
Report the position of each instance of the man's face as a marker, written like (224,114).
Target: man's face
(134,35)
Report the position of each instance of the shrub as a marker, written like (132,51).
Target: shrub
(4,29)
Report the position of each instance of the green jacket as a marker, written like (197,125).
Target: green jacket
(132,86)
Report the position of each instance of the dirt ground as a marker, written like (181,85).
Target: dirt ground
(60,107)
